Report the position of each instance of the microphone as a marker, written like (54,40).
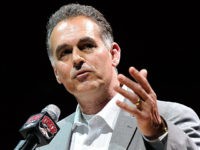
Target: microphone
(40,128)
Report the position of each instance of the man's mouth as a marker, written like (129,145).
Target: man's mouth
(81,75)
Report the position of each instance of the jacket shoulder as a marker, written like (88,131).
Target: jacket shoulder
(172,110)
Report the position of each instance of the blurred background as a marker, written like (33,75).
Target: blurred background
(163,38)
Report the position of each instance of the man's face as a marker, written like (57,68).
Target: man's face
(82,62)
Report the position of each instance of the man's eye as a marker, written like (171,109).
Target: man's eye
(87,46)
(64,53)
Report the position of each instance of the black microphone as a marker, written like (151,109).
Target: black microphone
(40,128)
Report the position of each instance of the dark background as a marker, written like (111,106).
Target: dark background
(163,38)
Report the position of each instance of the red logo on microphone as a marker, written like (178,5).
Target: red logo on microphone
(47,127)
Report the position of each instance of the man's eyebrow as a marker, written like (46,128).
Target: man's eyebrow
(60,47)
(86,39)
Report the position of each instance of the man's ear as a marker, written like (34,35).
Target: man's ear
(116,54)
(56,75)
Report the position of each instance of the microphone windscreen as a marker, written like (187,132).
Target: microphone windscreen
(53,111)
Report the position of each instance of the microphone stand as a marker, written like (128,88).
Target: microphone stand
(29,144)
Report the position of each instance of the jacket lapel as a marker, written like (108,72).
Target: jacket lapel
(65,135)
(124,132)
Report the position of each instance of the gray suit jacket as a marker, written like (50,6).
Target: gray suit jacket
(183,131)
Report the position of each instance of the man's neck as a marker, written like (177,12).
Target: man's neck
(93,104)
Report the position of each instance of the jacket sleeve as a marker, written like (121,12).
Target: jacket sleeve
(183,130)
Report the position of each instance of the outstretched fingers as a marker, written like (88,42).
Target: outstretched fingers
(140,78)
(137,88)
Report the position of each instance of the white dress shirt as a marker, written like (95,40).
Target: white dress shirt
(93,132)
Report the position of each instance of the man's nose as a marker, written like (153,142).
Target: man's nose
(77,58)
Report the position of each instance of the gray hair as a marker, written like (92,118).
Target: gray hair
(74,10)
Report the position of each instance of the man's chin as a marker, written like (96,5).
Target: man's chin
(87,87)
